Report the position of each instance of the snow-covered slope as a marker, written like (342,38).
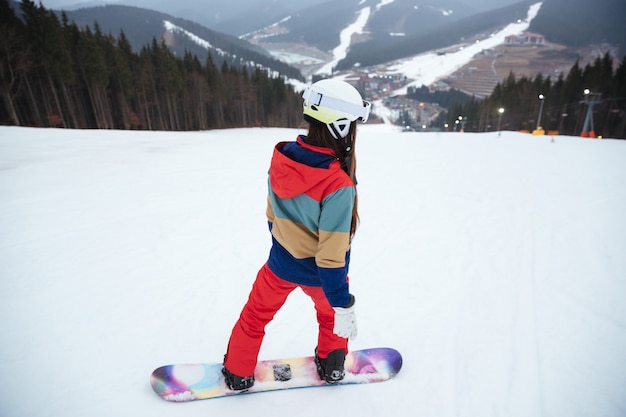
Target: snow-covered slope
(427,68)
(494,264)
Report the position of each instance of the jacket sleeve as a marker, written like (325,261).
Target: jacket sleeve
(332,257)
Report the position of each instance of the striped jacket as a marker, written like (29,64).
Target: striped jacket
(309,212)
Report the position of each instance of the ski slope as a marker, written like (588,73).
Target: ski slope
(494,264)
(426,68)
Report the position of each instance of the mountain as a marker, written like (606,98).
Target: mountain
(320,26)
(572,24)
(580,23)
(238,17)
(141,26)
(315,22)
(245,30)
(404,28)
(229,16)
(437,33)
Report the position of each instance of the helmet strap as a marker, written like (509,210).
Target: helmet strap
(346,138)
(340,128)
(348,156)
(347,145)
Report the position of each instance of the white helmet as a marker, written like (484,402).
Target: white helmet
(336,104)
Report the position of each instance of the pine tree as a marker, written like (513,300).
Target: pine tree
(55,74)
(14,61)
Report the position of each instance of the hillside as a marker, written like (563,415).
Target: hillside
(60,76)
(319,26)
(227,16)
(578,24)
(481,74)
(388,48)
(142,25)
(575,25)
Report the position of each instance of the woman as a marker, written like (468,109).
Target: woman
(312,215)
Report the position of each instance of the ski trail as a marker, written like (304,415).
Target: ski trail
(417,67)
(345,39)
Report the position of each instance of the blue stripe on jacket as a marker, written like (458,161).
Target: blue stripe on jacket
(306,272)
(294,151)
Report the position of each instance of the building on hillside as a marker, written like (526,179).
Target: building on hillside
(375,86)
(526,38)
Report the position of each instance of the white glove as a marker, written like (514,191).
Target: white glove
(345,321)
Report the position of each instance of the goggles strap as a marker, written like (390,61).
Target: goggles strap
(318,99)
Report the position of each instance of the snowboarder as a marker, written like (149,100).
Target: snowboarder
(312,216)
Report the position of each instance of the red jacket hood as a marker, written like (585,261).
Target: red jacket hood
(298,168)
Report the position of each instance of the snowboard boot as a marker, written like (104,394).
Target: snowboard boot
(237,383)
(331,369)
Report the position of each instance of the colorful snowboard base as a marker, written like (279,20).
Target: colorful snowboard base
(189,382)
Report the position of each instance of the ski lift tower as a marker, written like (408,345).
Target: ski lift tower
(591,99)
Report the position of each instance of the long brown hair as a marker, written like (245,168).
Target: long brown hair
(319,135)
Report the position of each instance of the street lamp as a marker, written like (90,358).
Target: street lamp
(541,97)
(591,99)
(500,110)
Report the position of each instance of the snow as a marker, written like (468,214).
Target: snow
(257,33)
(291,58)
(426,69)
(172,28)
(383,3)
(494,264)
(345,39)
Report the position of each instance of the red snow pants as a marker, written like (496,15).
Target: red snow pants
(268,295)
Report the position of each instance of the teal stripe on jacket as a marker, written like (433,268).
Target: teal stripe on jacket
(305,210)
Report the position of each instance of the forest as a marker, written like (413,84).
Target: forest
(54,74)
(560,105)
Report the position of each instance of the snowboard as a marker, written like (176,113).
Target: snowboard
(200,381)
